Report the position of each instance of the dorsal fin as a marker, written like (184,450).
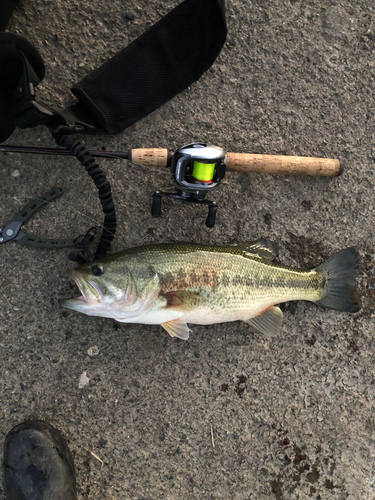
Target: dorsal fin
(262,248)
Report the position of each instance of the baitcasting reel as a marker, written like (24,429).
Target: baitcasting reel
(195,170)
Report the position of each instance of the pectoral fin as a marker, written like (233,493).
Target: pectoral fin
(269,322)
(177,328)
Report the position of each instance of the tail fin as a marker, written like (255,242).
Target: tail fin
(340,291)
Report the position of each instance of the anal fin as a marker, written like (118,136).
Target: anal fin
(268,322)
(177,328)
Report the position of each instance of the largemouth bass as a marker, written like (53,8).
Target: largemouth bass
(179,283)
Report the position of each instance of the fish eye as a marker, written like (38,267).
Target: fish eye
(97,270)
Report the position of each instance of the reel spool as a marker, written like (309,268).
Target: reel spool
(195,169)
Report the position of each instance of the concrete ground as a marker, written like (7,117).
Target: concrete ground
(229,414)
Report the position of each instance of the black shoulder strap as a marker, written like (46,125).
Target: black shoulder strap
(162,62)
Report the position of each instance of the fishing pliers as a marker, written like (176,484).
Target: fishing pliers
(12,232)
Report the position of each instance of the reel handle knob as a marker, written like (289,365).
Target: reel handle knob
(156,205)
(211,218)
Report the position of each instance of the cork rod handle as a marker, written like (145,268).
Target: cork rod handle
(150,157)
(271,164)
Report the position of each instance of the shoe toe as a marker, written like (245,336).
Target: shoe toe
(38,464)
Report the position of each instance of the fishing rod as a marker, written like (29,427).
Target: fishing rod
(198,168)
(239,162)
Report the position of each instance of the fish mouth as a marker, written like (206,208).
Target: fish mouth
(91,292)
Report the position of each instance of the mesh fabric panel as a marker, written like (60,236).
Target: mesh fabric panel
(6,9)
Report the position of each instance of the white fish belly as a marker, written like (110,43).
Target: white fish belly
(157,317)
(205,314)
